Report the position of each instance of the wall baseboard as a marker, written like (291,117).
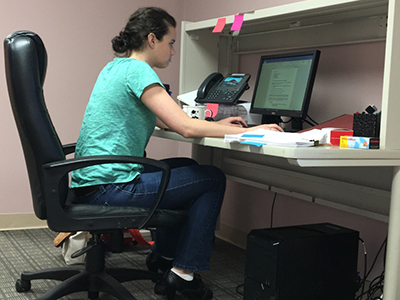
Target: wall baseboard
(20,221)
(232,235)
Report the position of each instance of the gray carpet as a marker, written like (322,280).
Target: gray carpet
(30,250)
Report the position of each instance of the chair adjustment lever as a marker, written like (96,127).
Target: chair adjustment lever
(83,251)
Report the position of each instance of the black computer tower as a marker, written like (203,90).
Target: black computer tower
(308,262)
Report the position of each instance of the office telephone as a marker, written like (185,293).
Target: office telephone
(224,90)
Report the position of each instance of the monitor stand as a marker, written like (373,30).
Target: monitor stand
(297,123)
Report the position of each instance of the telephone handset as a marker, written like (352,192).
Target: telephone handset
(224,90)
(207,84)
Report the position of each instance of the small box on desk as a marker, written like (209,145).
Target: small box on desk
(359,142)
(366,125)
(336,134)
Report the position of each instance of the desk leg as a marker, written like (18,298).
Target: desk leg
(392,268)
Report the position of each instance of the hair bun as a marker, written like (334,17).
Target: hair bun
(119,43)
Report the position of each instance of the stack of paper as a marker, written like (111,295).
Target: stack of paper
(262,137)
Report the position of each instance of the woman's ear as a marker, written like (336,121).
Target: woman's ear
(151,39)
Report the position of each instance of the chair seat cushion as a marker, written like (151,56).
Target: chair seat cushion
(130,216)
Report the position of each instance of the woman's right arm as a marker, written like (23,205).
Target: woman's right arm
(168,111)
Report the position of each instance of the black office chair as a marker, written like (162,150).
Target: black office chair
(48,168)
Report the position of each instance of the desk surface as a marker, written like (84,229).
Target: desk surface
(334,190)
(320,156)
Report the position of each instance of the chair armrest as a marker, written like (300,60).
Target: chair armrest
(54,172)
(69,148)
(69,165)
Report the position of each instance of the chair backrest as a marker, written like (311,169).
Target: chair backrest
(25,64)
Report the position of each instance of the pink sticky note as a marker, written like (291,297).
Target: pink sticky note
(220,25)
(213,107)
(237,23)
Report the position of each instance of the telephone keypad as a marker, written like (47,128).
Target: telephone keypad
(214,95)
(227,95)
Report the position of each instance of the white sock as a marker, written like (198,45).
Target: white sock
(187,277)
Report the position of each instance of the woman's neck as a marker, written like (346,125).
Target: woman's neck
(141,56)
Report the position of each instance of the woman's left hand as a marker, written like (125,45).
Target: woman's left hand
(233,121)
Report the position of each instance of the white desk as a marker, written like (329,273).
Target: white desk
(366,181)
(303,156)
(361,181)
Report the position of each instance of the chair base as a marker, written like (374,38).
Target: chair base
(94,279)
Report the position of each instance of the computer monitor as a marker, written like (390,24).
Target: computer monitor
(283,86)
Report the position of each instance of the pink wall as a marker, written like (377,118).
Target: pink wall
(201,10)
(77,36)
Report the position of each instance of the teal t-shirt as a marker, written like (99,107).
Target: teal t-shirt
(116,122)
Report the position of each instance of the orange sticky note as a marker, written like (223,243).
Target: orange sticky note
(220,25)
(237,22)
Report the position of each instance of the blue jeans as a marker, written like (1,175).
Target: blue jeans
(198,188)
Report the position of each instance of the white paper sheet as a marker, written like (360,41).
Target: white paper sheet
(262,137)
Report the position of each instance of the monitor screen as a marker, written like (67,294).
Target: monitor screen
(284,84)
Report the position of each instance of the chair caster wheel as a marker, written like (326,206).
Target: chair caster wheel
(22,285)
